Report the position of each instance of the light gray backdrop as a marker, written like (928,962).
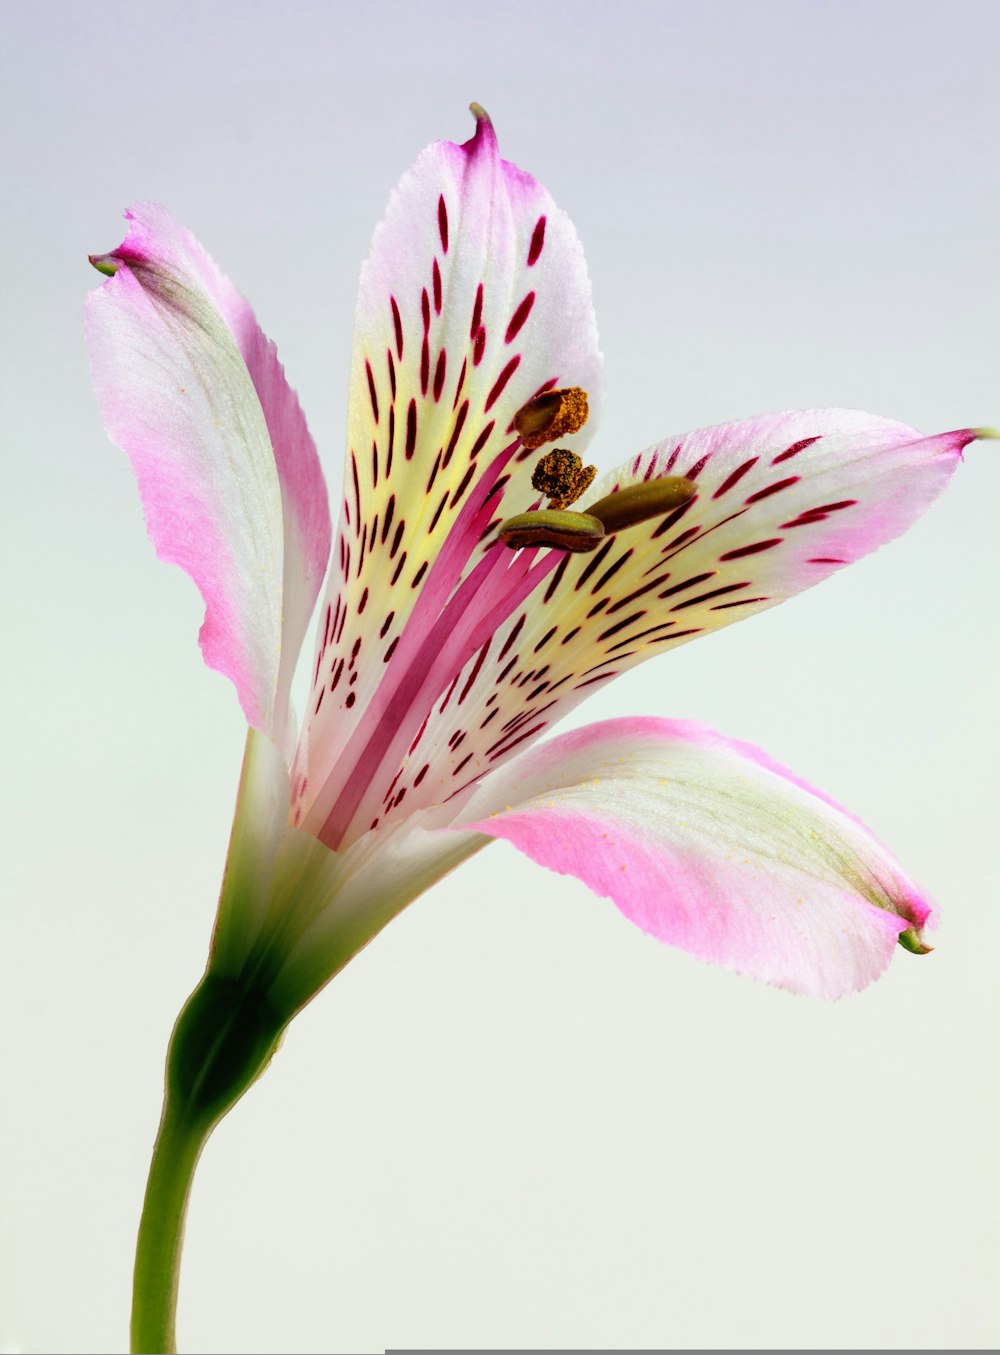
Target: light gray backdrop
(514,1120)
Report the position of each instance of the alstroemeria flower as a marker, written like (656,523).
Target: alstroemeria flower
(442,655)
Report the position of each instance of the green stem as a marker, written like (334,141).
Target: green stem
(161,1231)
(223,1040)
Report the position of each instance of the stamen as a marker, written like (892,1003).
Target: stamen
(562,477)
(550,416)
(575,532)
(638,503)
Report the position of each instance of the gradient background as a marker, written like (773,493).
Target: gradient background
(515,1120)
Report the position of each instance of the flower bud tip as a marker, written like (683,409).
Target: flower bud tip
(987,434)
(911,940)
(104,263)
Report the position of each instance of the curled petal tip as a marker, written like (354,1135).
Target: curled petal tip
(107,264)
(987,434)
(480,114)
(911,940)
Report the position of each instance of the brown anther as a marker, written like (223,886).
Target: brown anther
(562,477)
(638,503)
(550,416)
(573,532)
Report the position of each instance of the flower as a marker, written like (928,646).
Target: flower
(442,655)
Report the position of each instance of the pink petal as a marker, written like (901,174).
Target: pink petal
(707,844)
(193,391)
(447,348)
(783,501)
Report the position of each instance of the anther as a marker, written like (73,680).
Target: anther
(638,503)
(550,416)
(562,477)
(574,532)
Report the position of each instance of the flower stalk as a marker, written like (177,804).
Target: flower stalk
(223,1040)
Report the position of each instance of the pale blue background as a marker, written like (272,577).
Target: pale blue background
(514,1120)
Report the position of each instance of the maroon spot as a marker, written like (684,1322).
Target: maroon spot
(434,472)
(479,347)
(436,282)
(650,471)
(357,487)
(492,715)
(390,508)
(461,381)
(515,632)
(672,518)
(506,669)
(545,639)
(421,774)
(556,579)
(477,313)
(364,602)
(773,489)
(819,513)
(390,650)
(473,675)
(735,477)
(755,549)
(482,440)
(795,448)
(448,693)
(438,511)
(519,317)
(463,485)
(688,583)
(740,602)
(439,375)
(419,575)
(610,573)
(351,698)
(505,744)
(425,308)
(599,678)
(713,593)
(391,366)
(631,597)
(425,365)
(336,675)
(537,241)
(632,639)
(456,432)
(371,389)
(396,539)
(420,732)
(681,539)
(620,625)
(411,430)
(374,464)
(397,325)
(466,759)
(443,223)
(385,625)
(825,560)
(672,461)
(501,382)
(326,624)
(399,567)
(698,467)
(594,563)
(392,439)
(322,693)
